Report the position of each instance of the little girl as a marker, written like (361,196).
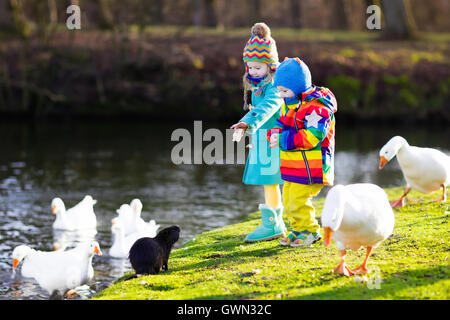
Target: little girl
(262,168)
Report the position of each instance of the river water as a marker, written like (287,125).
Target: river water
(118,161)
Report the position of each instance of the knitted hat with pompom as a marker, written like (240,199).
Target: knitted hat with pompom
(261,47)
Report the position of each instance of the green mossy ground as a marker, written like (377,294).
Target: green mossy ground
(411,264)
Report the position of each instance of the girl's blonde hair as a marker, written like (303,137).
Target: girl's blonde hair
(247,84)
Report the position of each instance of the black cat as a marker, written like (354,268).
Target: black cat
(150,255)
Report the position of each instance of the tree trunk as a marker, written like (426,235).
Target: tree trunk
(210,13)
(197,13)
(6,19)
(295,14)
(339,19)
(399,22)
(105,15)
(204,13)
(21,24)
(255,11)
(157,11)
(52,11)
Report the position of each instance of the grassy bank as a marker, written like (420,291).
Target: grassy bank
(196,73)
(411,264)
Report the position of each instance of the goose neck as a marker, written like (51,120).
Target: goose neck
(404,150)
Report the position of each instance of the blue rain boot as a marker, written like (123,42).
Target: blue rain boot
(271,228)
(279,212)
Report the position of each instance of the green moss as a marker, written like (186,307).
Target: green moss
(347,90)
(369,93)
(411,264)
(347,52)
(404,96)
(427,56)
(372,57)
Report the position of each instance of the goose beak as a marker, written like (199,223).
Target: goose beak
(383,162)
(327,233)
(15,263)
(53,209)
(97,251)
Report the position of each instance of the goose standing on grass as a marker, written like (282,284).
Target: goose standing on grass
(356,215)
(58,272)
(130,216)
(81,216)
(424,169)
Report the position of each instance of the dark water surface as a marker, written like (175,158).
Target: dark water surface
(116,162)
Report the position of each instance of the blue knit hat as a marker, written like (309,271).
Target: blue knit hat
(293,74)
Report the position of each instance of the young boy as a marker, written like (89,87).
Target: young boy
(305,134)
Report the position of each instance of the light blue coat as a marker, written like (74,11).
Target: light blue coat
(263,163)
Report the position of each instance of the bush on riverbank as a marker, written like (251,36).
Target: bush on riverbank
(411,264)
(174,73)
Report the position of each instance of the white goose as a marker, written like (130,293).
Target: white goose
(130,217)
(25,253)
(63,239)
(58,271)
(356,215)
(81,216)
(121,242)
(424,169)
(136,206)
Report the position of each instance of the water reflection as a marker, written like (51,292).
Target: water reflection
(116,162)
(63,239)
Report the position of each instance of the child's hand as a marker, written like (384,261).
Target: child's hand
(239,129)
(240,125)
(238,134)
(274,140)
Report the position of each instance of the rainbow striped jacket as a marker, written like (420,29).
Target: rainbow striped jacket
(307,138)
